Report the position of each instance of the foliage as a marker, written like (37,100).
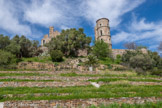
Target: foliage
(118,59)
(141,61)
(157,72)
(101,49)
(6,58)
(106,61)
(130,45)
(4,41)
(70,42)
(92,60)
(20,46)
(133,45)
(82,92)
(42,59)
(56,55)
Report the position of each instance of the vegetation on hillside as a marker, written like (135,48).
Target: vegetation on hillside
(69,42)
(13,50)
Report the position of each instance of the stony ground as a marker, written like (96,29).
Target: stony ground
(43,89)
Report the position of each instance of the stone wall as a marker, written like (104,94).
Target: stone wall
(82,52)
(116,52)
(75,103)
(52,34)
(36,66)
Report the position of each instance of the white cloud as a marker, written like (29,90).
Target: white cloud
(18,17)
(51,12)
(141,31)
(9,19)
(112,9)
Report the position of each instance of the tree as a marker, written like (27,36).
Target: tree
(69,42)
(92,61)
(6,58)
(142,61)
(130,45)
(101,49)
(14,48)
(4,41)
(56,55)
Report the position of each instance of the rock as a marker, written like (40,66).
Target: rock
(95,84)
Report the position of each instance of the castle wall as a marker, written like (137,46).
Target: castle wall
(52,34)
(116,52)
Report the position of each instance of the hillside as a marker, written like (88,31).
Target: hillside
(74,89)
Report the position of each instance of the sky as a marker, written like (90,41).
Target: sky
(137,21)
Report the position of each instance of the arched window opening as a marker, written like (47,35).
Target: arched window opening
(101,32)
(44,42)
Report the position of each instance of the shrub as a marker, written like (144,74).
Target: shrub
(141,61)
(7,58)
(157,72)
(56,55)
(92,60)
(101,50)
(118,59)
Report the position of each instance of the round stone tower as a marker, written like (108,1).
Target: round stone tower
(102,31)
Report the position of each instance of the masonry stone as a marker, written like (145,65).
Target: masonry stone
(52,34)
(102,32)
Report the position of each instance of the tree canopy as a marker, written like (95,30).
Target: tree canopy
(69,42)
(101,49)
(19,46)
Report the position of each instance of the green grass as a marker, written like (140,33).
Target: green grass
(43,59)
(106,61)
(128,79)
(23,74)
(25,80)
(82,92)
(73,74)
(124,105)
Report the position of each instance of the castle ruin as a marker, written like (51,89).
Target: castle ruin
(52,34)
(102,32)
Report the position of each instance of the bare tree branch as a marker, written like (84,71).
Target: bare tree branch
(130,45)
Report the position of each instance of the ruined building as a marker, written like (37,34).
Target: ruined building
(52,34)
(102,32)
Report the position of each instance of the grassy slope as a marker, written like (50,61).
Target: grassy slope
(83,92)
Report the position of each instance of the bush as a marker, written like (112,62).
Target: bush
(92,60)
(56,55)
(157,72)
(141,61)
(7,58)
(101,50)
(118,59)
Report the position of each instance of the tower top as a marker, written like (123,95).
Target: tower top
(102,19)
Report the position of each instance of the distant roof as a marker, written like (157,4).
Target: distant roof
(101,19)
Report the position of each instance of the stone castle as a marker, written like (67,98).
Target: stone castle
(52,34)
(102,32)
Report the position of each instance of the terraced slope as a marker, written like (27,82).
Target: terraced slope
(73,89)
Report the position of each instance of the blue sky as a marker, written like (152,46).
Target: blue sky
(130,20)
